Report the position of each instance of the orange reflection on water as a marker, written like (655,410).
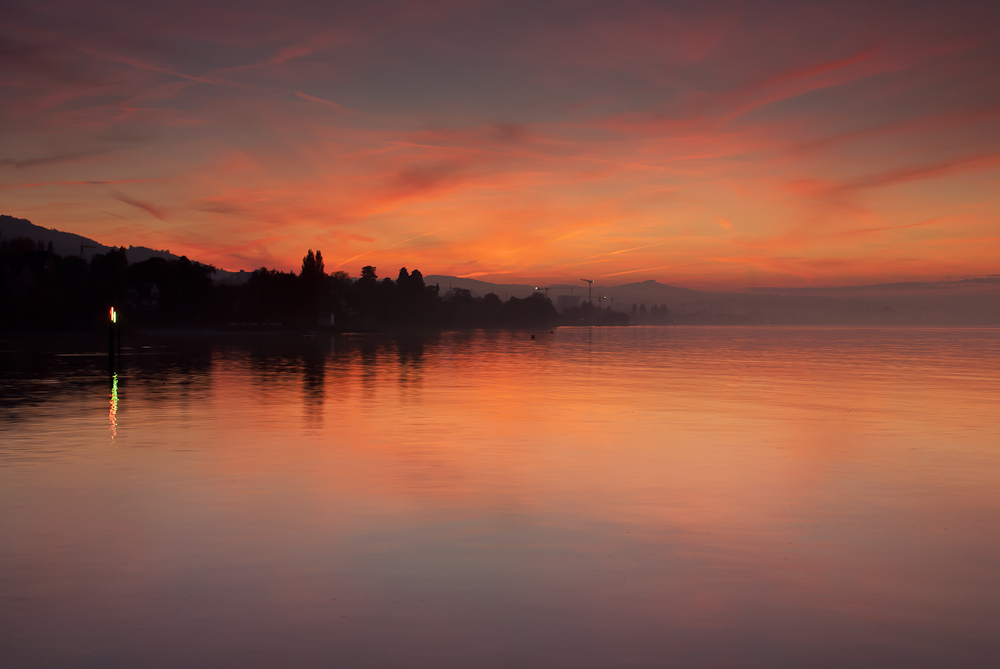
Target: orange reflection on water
(646,496)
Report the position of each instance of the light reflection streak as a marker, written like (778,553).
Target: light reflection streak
(113,412)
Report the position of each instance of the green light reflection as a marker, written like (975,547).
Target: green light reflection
(113,414)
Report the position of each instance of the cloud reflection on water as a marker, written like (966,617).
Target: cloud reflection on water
(645,496)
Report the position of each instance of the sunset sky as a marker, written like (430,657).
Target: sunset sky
(701,144)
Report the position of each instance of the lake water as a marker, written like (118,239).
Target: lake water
(618,497)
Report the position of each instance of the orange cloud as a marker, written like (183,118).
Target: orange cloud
(606,140)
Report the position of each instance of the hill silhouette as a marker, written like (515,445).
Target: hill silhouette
(43,290)
(70,244)
(963,301)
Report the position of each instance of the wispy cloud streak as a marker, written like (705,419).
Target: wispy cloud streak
(715,143)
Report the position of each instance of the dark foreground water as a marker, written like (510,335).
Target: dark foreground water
(636,497)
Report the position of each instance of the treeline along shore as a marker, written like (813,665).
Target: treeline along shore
(41,290)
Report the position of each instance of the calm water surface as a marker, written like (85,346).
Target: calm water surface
(717,497)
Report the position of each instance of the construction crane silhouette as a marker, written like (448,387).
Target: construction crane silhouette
(590,286)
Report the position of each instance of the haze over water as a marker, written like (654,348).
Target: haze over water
(752,497)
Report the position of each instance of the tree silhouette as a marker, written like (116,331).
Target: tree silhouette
(42,291)
(313,279)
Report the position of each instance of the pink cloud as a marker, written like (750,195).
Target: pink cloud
(154,211)
(532,146)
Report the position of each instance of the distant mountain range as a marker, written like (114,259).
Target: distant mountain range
(967,301)
(974,301)
(620,297)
